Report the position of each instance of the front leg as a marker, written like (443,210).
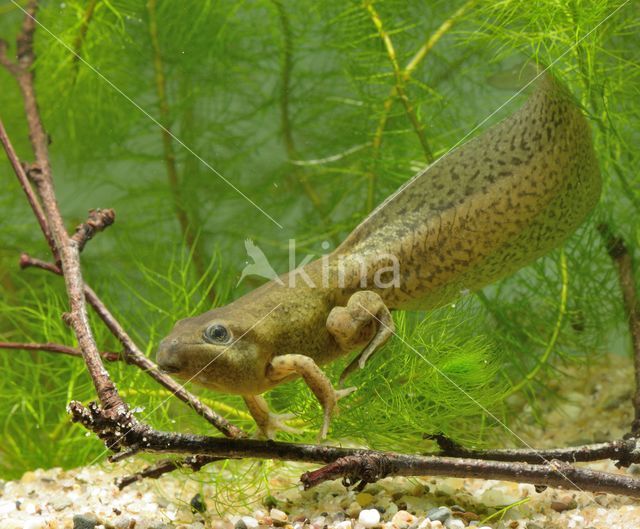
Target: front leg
(365,320)
(286,365)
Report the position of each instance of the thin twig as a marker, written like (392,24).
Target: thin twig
(120,433)
(26,187)
(623,451)
(159,469)
(367,468)
(57,348)
(40,173)
(65,246)
(99,220)
(619,253)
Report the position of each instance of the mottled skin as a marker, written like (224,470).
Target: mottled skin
(477,214)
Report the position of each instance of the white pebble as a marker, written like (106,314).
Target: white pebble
(346,524)
(369,517)
(250,522)
(277,514)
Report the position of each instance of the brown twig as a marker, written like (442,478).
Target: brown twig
(125,432)
(367,468)
(619,253)
(26,187)
(159,469)
(99,220)
(67,248)
(57,348)
(623,451)
(51,221)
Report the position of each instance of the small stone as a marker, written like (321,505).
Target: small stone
(34,523)
(124,522)
(60,502)
(364,499)
(240,524)
(353,509)
(469,516)
(346,524)
(249,522)
(278,517)
(28,477)
(564,504)
(369,517)
(84,521)
(198,504)
(453,523)
(392,509)
(439,514)
(403,519)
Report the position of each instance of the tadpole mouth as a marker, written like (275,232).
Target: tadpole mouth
(168,370)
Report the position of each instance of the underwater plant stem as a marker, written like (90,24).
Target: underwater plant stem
(398,91)
(562,311)
(619,253)
(352,464)
(400,81)
(56,348)
(285,115)
(169,153)
(411,66)
(82,35)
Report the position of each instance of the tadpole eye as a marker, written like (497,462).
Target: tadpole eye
(216,333)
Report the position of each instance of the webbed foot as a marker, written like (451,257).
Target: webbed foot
(268,423)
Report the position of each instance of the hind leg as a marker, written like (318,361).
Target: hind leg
(365,321)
